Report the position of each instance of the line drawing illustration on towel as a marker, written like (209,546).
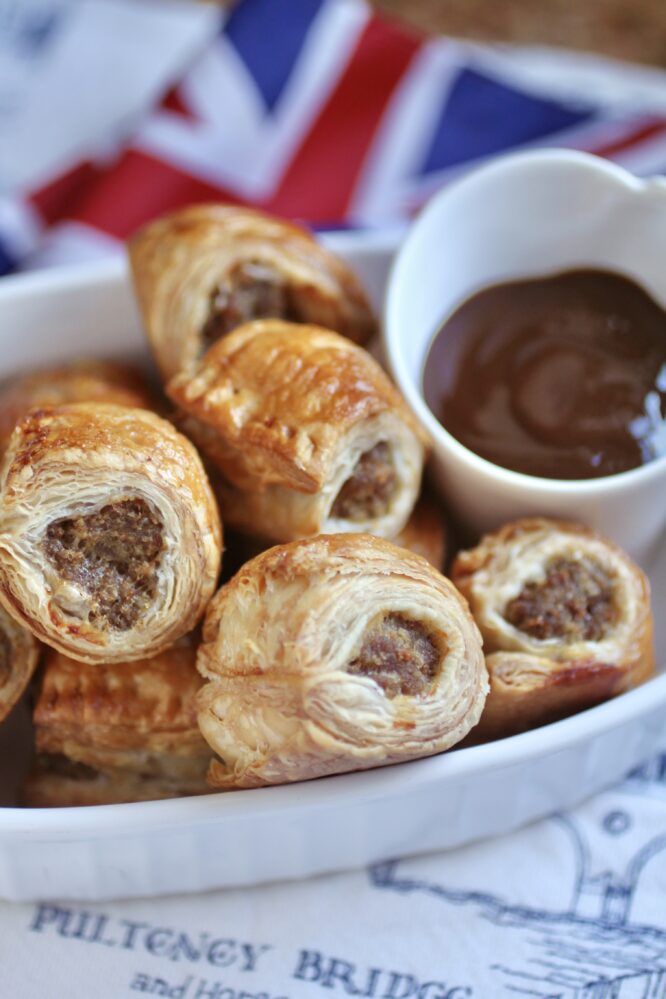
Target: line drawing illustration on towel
(605,943)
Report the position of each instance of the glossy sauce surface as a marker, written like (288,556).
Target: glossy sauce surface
(562,377)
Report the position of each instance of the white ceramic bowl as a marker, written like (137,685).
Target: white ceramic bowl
(523,215)
(250,837)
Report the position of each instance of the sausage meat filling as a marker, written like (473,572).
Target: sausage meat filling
(368,491)
(400,655)
(113,555)
(250,291)
(573,603)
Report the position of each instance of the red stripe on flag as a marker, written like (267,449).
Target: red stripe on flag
(320,181)
(58,197)
(137,189)
(173,101)
(638,134)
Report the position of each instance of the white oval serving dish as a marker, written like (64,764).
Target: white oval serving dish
(249,837)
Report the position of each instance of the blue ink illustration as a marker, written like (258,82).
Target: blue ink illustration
(598,946)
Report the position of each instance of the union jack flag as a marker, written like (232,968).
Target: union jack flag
(322,111)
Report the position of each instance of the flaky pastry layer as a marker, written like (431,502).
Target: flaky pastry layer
(19,655)
(138,716)
(78,381)
(68,472)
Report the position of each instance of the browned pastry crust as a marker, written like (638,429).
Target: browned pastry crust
(425,533)
(307,430)
(120,731)
(201,271)
(137,715)
(110,538)
(335,653)
(79,381)
(19,655)
(55,782)
(527,691)
(565,617)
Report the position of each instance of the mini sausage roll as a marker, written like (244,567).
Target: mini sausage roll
(118,732)
(206,269)
(331,654)
(19,655)
(110,539)
(424,534)
(307,430)
(565,617)
(80,381)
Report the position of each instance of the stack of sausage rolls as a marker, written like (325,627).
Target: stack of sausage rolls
(337,644)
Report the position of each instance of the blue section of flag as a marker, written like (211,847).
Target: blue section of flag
(268,35)
(483,116)
(7,262)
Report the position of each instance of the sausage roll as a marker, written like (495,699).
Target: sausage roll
(80,381)
(309,434)
(565,618)
(331,654)
(118,732)
(206,269)
(110,538)
(19,655)
(424,534)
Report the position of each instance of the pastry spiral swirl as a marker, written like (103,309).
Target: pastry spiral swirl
(110,539)
(565,617)
(331,654)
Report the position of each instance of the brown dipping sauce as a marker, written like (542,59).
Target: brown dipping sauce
(562,377)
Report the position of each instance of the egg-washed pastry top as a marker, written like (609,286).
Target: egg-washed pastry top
(204,270)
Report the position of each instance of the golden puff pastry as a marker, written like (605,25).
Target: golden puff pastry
(565,617)
(309,434)
(118,732)
(331,654)
(19,655)
(110,539)
(79,381)
(206,269)
(425,533)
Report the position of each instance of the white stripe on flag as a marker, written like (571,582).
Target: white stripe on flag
(577,77)
(73,243)
(405,133)
(587,136)
(20,227)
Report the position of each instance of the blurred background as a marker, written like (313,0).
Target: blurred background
(624,29)
(337,113)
